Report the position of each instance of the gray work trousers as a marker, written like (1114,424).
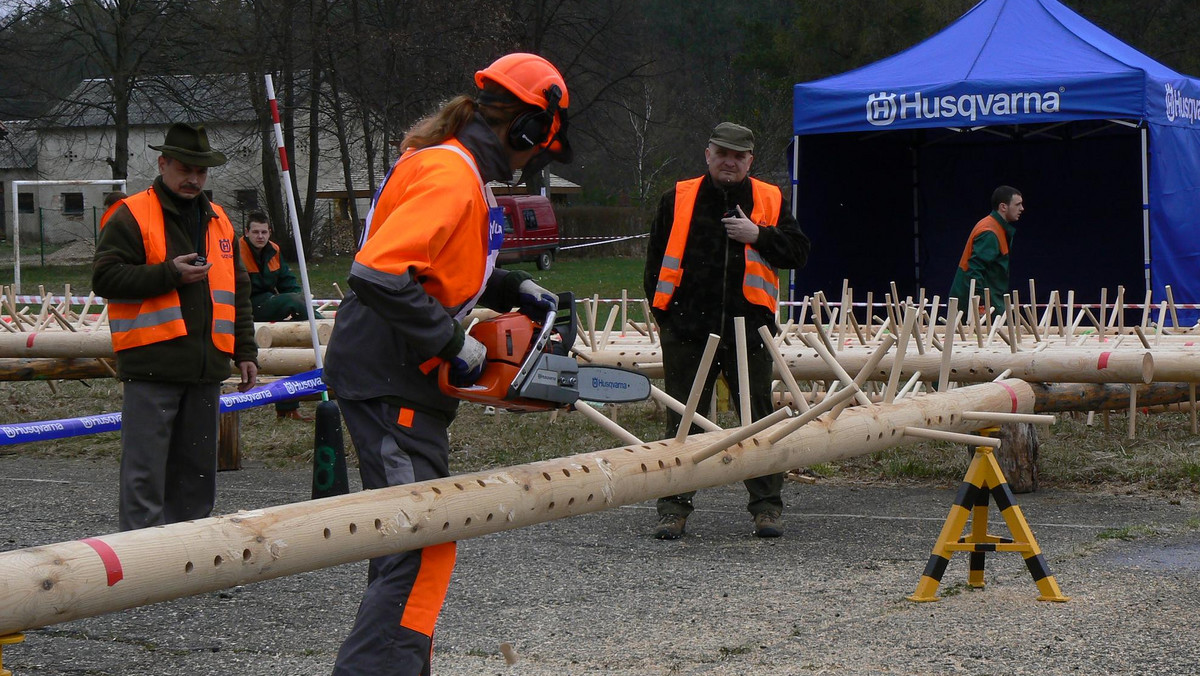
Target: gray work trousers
(393,632)
(680,361)
(168,452)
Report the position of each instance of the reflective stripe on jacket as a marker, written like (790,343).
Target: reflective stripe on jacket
(760,284)
(140,322)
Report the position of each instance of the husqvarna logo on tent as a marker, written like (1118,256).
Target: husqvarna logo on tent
(885,108)
(1180,106)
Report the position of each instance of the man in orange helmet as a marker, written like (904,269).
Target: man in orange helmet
(714,246)
(427,257)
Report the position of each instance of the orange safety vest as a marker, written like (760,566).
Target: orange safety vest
(250,262)
(760,284)
(141,322)
(986,224)
(112,209)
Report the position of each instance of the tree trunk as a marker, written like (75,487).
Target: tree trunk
(1018,456)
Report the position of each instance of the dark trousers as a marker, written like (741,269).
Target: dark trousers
(393,632)
(168,452)
(681,359)
(284,307)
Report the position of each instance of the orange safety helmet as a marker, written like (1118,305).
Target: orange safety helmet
(535,81)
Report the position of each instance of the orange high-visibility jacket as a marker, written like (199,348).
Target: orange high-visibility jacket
(416,226)
(760,284)
(986,224)
(248,261)
(141,322)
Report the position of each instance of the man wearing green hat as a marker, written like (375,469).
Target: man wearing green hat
(179,311)
(714,246)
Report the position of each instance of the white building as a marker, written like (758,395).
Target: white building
(77,141)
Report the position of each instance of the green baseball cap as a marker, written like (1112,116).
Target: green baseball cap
(732,136)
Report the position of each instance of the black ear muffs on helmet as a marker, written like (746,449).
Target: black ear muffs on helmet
(530,130)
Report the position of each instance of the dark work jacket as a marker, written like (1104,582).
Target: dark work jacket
(266,283)
(120,271)
(710,294)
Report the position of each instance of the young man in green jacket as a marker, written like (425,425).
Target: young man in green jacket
(274,291)
(985,258)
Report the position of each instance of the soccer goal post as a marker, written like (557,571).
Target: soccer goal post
(116,183)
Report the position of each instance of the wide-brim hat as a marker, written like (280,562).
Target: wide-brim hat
(189,144)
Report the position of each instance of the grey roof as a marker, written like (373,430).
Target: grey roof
(558,184)
(159,100)
(18,148)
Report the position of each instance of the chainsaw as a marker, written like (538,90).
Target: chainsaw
(529,367)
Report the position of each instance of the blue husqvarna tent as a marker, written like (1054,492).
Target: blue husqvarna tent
(894,162)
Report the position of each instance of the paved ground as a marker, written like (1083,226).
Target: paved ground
(596,595)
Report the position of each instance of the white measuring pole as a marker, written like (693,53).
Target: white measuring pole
(291,198)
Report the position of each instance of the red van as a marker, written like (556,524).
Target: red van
(530,230)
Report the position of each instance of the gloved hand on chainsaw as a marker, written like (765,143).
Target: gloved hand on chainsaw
(467,365)
(535,301)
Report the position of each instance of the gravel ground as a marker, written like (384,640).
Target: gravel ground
(596,595)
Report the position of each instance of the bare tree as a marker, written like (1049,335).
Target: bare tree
(115,42)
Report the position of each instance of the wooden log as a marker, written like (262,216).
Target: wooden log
(60,582)
(965,366)
(291,334)
(56,344)
(1083,397)
(229,442)
(1018,456)
(20,369)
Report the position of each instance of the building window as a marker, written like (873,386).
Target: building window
(247,199)
(530,219)
(72,203)
(25,203)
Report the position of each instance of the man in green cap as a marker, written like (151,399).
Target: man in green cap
(714,248)
(179,311)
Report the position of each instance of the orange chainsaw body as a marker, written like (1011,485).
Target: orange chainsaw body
(508,338)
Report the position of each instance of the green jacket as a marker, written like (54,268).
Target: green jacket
(265,282)
(986,264)
(120,271)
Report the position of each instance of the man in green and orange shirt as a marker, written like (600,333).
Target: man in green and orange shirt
(985,258)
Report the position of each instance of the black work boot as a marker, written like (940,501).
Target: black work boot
(670,527)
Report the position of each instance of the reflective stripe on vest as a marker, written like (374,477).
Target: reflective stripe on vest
(135,323)
(250,262)
(760,283)
(987,224)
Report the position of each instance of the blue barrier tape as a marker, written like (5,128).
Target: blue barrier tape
(299,385)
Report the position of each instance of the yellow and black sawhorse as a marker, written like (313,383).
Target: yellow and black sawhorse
(985,482)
